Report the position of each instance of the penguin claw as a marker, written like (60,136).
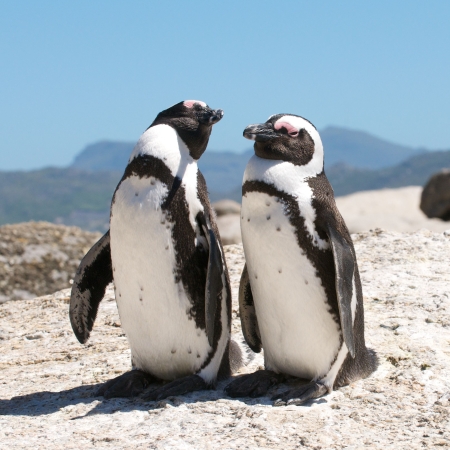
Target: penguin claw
(298,396)
(254,384)
(129,384)
(181,386)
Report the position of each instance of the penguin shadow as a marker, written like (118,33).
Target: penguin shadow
(48,402)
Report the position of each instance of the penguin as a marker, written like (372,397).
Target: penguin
(300,294)
(163,252)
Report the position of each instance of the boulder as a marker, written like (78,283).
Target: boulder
(230,229)
(391,209)
(38,258)
(224,207)
(228,221)
(435,201)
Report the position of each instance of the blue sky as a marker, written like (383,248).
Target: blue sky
(73,73)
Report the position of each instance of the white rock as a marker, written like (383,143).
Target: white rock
(47,382)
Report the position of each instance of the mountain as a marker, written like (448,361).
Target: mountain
(66,196)
(103,156)
(223,170)
(415,171)
(76,197)
(362,150)
(81,194)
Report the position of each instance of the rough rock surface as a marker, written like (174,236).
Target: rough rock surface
(47,379)
(389,209)
(230,228)
(224,207)
(228,221)
(435,200)
(37,258)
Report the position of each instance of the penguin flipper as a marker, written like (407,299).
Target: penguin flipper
(344,264)
(93,275)
(249,321)
(215,272)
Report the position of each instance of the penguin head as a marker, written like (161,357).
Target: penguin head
(286,137)
(193,121)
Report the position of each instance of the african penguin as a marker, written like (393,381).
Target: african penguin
(163,251)
(300,294)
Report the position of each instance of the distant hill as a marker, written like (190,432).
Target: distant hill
(104,156)
(224,170)
(81,194)
(66,196)
(362,150)
(82,198)
(415,171)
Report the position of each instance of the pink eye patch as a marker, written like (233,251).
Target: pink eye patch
(190,103)
(290,128)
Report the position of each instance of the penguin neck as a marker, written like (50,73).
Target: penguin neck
(164,143)
(283,174)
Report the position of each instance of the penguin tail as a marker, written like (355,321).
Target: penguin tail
(372,361)
(237,355)
(240,355)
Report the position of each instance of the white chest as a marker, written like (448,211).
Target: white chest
(153,307)
(299,335)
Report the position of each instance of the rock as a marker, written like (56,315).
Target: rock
(48,380)
(224,207)
(37,258)
(389,209)
(230,229)
(228,221)
(435,200)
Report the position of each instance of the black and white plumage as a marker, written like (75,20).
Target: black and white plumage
(164,253)
(300,292)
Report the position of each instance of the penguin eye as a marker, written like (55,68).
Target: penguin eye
(292,132)
(286,128)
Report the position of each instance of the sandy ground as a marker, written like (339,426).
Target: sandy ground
(48,380)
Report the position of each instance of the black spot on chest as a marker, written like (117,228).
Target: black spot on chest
(322,260)
(191,259)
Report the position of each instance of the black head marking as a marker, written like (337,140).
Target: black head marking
(193,121)
(285,139)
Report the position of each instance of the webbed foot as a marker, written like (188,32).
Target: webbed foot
(129,384)
(254,384)
(181,386)
(300,395)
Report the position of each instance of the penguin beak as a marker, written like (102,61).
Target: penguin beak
(210,116)
(216,116)
(260,132)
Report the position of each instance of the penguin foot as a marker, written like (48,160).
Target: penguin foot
(129,384)
(254,384)
(300,395)
(181,386)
